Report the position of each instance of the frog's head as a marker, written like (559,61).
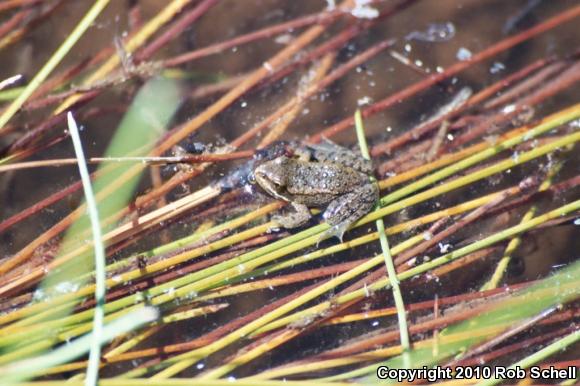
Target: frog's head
(271,175)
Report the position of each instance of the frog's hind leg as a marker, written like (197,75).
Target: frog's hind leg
(293,219)
(347,209)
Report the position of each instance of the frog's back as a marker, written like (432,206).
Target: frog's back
(325,178)
(328,151)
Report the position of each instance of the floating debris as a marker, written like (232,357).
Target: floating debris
(364,101)
(435,33)
(496,67)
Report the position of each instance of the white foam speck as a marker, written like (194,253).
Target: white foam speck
(362,10)
(464,54)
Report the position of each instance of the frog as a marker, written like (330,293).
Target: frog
(322,175)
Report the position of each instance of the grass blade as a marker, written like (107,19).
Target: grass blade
(99,248)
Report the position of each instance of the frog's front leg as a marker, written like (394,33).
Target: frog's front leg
(295,219)
(348,208)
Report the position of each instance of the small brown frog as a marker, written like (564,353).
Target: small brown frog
(321,175)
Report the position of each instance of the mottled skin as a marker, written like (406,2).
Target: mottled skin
(321,175)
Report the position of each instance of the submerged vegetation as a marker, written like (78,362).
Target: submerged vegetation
(469,258)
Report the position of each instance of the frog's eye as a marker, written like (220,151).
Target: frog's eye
(252,178)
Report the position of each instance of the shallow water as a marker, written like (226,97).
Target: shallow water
(431,35)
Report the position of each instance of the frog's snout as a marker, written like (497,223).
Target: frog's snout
(252,178)
(256,175)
